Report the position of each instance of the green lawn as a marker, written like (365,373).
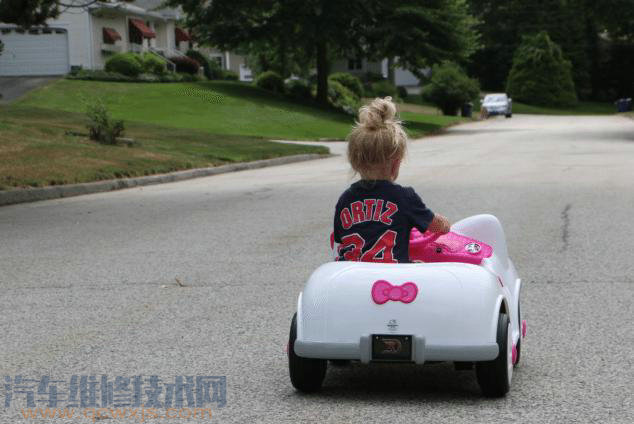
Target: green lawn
(217,107)
(416,123)
(178,125)
(583,108)
(36,151)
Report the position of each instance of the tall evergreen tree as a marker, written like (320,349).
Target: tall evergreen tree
(541,74)
(570,23)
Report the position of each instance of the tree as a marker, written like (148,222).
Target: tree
(315,27)
(540,74)
(449,88)
(421,33)
(287,33)
(28,13)
(584,29)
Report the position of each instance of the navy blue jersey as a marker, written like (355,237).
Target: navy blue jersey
(373,220)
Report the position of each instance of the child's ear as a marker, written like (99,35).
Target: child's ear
(396,164)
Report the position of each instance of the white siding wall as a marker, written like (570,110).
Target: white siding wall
(119,24)
(78,27)
(170,36)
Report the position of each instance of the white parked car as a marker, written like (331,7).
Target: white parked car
(498,104)
(461,305)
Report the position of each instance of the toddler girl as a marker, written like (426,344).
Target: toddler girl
(374,216)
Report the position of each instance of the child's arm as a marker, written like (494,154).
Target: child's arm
(439,224)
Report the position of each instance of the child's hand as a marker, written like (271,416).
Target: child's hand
(439,224)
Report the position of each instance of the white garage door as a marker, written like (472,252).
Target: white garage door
(35,52)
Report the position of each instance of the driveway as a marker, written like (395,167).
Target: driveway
(12,88)
(201,278)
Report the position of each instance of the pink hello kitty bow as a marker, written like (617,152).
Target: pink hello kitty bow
(382,291)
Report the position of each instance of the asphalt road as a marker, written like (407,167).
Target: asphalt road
(89,283)
(11,88)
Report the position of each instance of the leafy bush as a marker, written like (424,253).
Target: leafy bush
(342,98)
(383,88)
(402,92)
(148,78)
(190,77)
(98,75)
(186,65)
(298,89)
(103,129)
(449,88)
(270,81)
(230,75)
(171,77)
(215,71)
(349,81)
(128,64)
(153,64)
(540,75)
(210,73)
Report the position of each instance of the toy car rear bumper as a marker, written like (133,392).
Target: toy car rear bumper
(421,352)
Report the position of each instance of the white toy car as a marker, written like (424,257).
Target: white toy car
(461,305)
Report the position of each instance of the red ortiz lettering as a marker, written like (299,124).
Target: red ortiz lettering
(368,210)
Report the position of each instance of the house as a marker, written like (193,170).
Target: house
(360,67)
(229,61)
(85,37)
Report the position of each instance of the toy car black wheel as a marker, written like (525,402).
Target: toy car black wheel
(307,374)
(518,348)
(509,115)
(494,377)
(340,362)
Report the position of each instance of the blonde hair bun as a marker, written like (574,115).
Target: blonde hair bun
(379,113)
(376,139)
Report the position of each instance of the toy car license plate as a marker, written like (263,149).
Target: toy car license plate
(390,347)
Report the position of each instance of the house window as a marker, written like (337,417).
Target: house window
(218,60)
(354,64)
(110,36)
(138,30)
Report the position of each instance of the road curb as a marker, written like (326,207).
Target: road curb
(54,192)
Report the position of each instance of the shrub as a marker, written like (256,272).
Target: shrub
(204,62)
(540,75)
(349,81)
(103,129)
(270,81)
(190,77)
(148,78)
(98,75)
(171,77)
(298,90)
(342,98)
(215,71)
(449,88)
(402,92)
(185,64)
(128,64)
(383,88)
(230,75)
(153,64)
